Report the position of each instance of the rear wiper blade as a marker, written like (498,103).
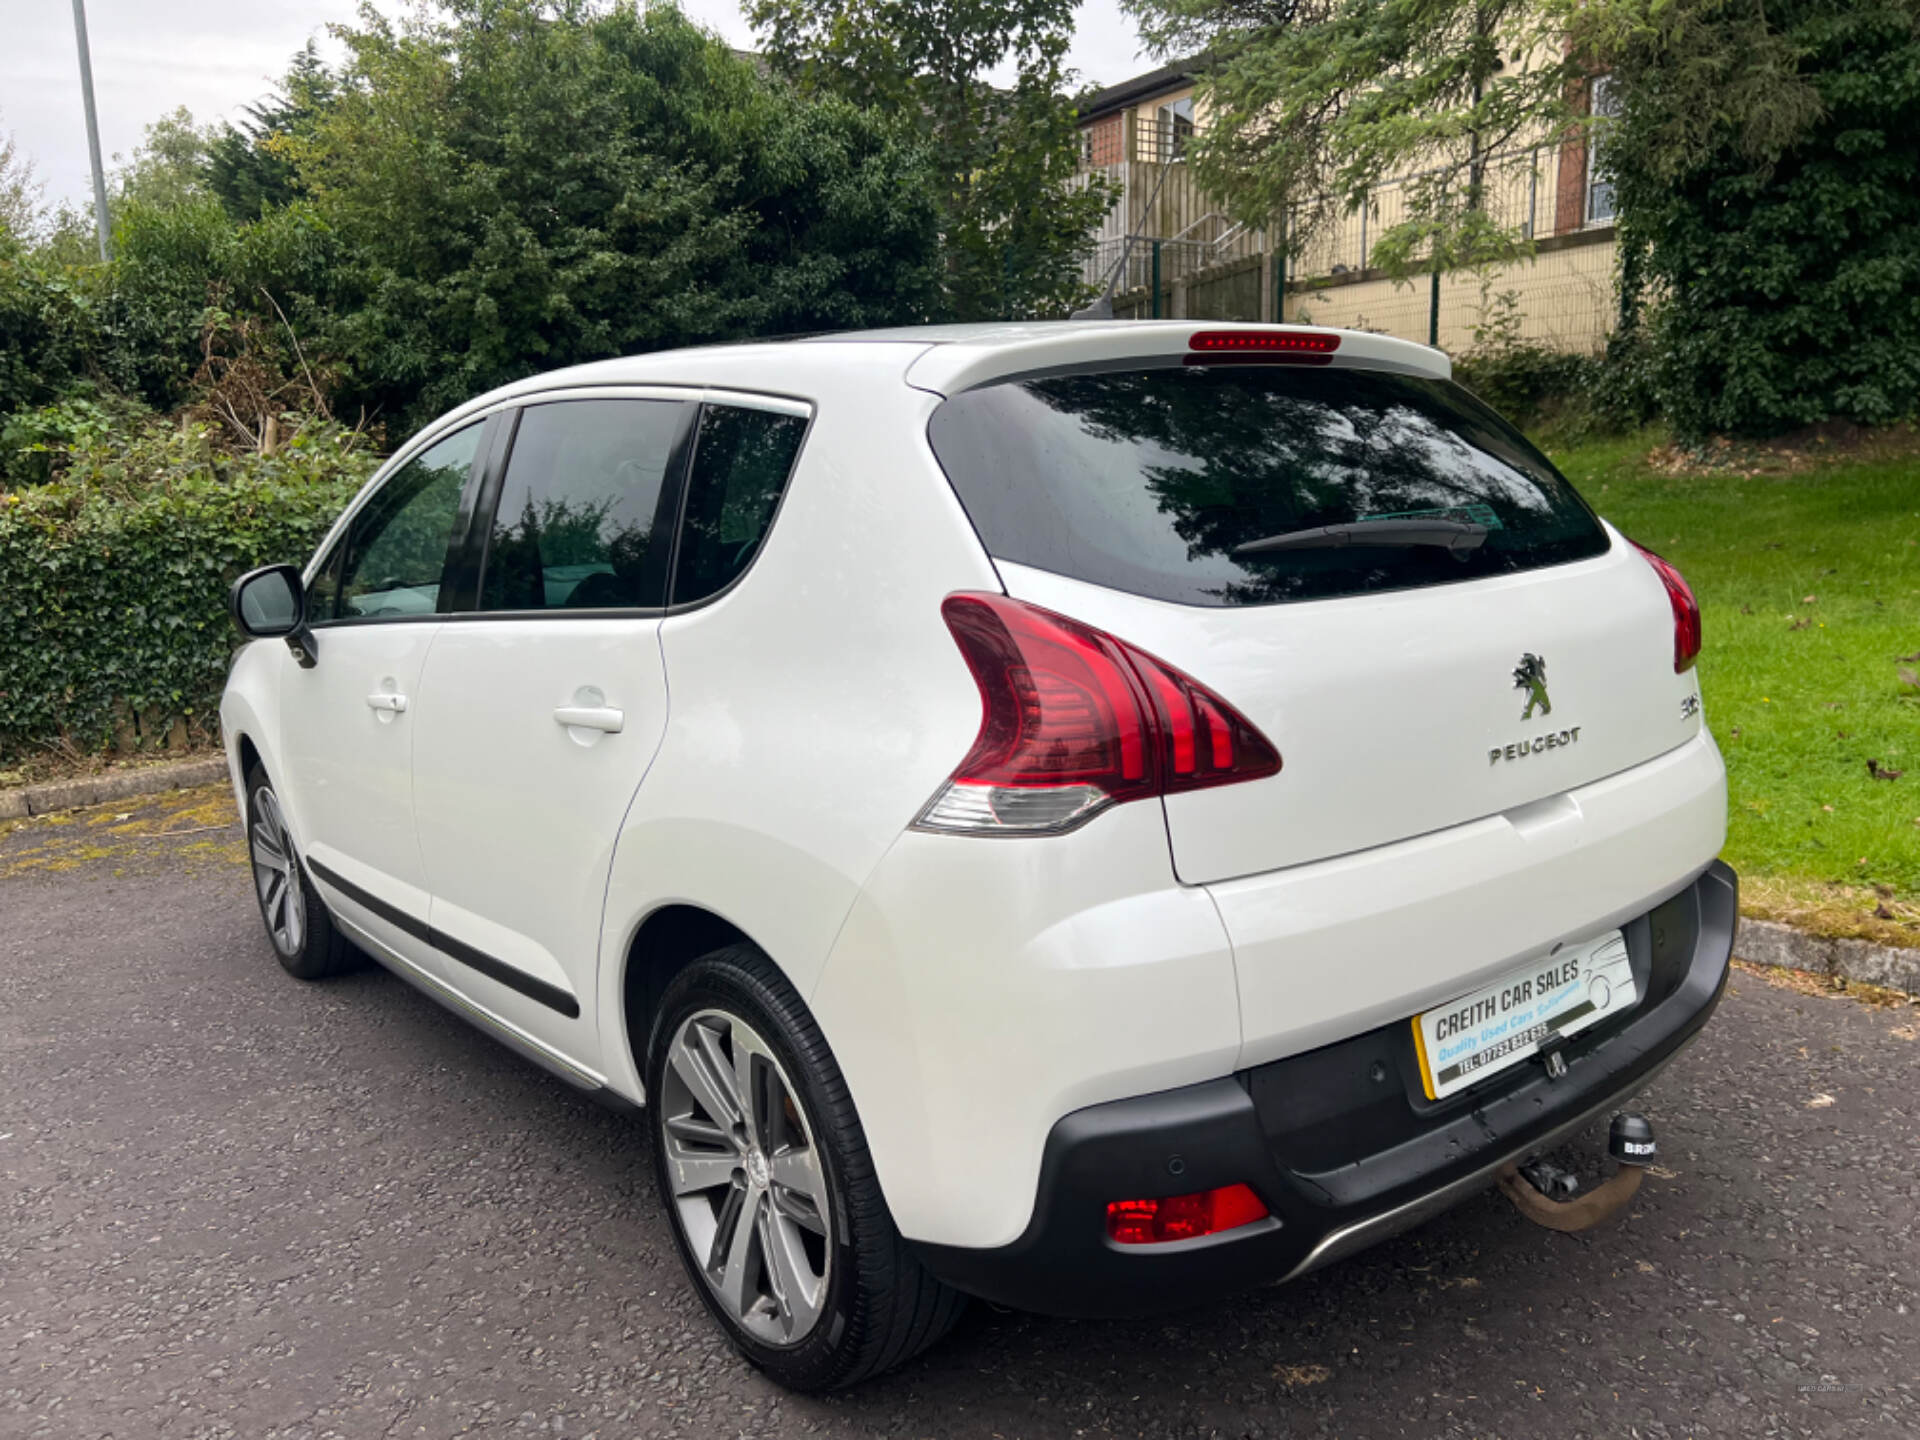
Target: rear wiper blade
(1459,537)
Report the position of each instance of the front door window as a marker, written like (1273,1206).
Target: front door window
(396,548)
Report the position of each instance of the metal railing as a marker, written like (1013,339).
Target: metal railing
(1540,192)
(1187,255)
(1162,205)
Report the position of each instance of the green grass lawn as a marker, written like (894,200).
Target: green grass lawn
(1809,588)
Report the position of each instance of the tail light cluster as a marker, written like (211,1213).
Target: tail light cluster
(1686,610)
(1074,720)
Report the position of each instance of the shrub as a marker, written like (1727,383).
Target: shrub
(36,444)
(1622,387)
(48,320)
(1575,396)
(1783,273)
(114,577)
(184,271)
(519,186)
(1528,381)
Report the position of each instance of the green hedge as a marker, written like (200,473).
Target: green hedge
(114,578)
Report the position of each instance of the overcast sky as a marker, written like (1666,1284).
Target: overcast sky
(214,56)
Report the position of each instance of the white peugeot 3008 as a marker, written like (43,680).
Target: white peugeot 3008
(1094,816)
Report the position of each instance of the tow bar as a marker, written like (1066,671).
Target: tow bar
(1549,1196)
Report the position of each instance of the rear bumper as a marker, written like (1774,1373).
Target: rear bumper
(1339,1142)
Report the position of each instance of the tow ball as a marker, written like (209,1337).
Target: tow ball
(1549,1196)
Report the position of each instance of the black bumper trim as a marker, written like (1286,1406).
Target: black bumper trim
(1214,1133)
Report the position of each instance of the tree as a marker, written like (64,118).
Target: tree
(249,166)
(1766,163)
(21,205)
(1017,220)
(1313,103)
(519,185)
(169,167)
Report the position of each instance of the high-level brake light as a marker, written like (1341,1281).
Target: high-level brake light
(1074,720)
(1245,342)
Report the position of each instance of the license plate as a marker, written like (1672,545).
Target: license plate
(1466,1040)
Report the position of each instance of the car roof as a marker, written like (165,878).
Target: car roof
(976,355)
(943,358)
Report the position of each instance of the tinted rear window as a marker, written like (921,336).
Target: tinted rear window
(1145,480)
(577,525)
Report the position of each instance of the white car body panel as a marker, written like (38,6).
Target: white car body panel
(1386,708)
(1330,949)
(503,792)
(349,768)
(783,737)
(984,988)
(791,765)
(975,354)
(1081,989)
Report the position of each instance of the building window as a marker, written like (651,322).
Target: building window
(1176,127)
(1600,199)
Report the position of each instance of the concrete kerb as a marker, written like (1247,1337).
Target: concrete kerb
(1767,942)
(18,803)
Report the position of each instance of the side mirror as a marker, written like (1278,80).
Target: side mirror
(271,603)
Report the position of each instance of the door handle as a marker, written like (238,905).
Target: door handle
(591,717)
(394,703)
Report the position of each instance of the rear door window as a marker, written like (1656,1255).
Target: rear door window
(578,525)
(1147,480)
(741,461)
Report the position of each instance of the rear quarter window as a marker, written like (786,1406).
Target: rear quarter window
(741,462)
(1146,480)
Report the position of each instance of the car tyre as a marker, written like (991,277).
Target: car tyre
(305,940)
(775,1208)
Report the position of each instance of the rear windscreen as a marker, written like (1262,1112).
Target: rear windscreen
(1145,480)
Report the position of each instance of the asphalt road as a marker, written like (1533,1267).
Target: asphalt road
(235,1205)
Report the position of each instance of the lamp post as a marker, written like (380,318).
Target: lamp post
(93,130)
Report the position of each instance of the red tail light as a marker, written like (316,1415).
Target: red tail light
(1686,610)
(1073,720)
(1183,1217)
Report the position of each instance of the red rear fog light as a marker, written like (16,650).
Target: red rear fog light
(1183,1217)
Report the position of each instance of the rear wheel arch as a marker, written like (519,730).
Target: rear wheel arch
(866,1303)
(667,941)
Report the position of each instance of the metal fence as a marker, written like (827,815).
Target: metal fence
(1189,258)
(1540,193)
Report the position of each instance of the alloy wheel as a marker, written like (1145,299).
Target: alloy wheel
(276,876)
(748,1181)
